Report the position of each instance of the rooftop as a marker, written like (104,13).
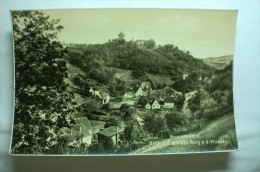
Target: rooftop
(97,124)
(84,121)
(111,131)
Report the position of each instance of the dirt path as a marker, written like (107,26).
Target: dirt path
(207,139)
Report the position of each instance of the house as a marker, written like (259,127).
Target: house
(95,93)
(155,104)
(168,102)
(174,94)
(189,95)
(145,93)
(139,92)
(97,126)
(148,106)
(143,89)
(105,97)
(112,132)
(146,85)
(81,127)
(184,76)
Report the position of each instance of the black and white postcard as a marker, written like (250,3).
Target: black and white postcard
(123,81)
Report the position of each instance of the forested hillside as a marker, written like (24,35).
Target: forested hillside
(141,57)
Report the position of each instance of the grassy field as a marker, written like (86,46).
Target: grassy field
(218,135)
(126,75)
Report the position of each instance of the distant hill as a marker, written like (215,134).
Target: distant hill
(218,62)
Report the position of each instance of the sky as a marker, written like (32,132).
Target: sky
(205,33)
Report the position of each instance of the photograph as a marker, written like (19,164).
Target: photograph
(123,81)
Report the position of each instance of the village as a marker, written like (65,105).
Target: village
(140,97)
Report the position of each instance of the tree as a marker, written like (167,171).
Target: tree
(149,44)
(154,124)
(124,107)
(174,120)
(138,73)
(179,102)
(143,100)
(90,106)
(195,102)
(113,121)
(107,144)
(179,83)
(117,88)
(40,90)
(95,147)
(75,57)
(133,133)
(128,114)
(128,133)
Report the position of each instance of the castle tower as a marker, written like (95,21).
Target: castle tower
(121,36)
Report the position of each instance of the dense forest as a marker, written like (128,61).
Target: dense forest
(112,85)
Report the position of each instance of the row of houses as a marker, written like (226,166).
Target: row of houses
(167,103)
(167,96)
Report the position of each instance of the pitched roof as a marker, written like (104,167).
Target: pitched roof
(97,124)
(75,130)
(147,104)
(80,129)
(174,91)
(64,131)
(84,121)
(82,126)
(111,131)
(152,101)
(161,102)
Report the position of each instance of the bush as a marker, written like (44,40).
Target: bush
(174,120)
